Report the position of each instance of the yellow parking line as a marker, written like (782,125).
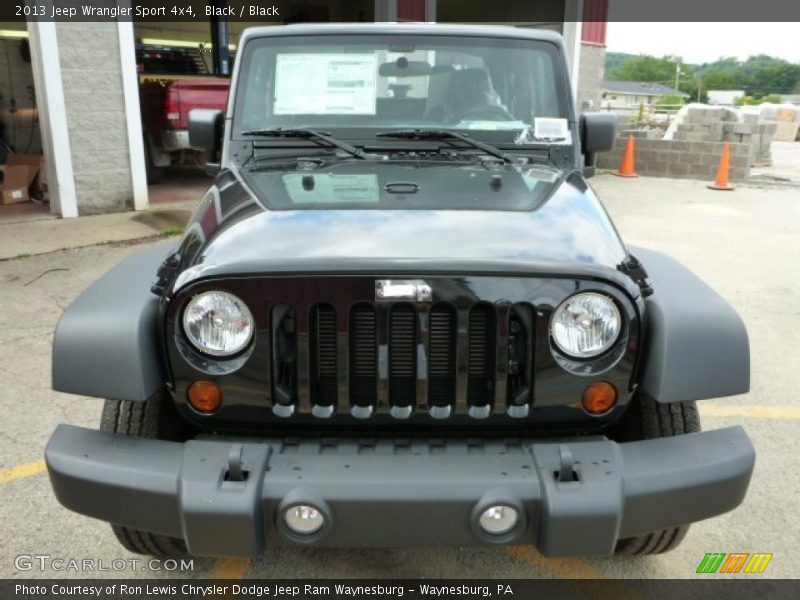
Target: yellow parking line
(231,568)
(20,471)
(567,568)
(784,411)
(575,568)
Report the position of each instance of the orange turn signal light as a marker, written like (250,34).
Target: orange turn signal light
(205,396)
(599,397)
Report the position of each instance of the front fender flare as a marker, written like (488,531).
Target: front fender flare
(107,343)
(696,344)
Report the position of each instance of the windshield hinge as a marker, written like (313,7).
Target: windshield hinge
(636,271)
(166,274)
(560,155)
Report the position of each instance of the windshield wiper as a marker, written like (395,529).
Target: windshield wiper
(311,134)
(444,134)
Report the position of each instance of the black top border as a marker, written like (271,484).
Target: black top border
(279,11)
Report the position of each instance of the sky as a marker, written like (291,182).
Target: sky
(706,42)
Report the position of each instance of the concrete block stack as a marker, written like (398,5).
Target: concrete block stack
(787,124)
(680,159)
(644,134)
(754,132)
(704,124)
(716,124)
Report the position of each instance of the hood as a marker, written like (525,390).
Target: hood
(556,226)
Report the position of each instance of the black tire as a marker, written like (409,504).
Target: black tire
(143,419)
(153,173)
(647,419)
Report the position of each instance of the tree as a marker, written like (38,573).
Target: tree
(672,100)
(657,70)
(758,76)
(645,68)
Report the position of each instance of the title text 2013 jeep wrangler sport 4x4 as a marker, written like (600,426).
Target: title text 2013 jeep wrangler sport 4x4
(400,316)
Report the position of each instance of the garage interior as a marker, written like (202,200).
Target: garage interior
(206,56)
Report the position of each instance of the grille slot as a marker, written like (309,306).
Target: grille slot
(284,355)
(363,355)
(520,355)
(481,344)
(402,355)
(323,355)
(442,356)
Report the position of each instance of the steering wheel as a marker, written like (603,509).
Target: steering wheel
(487,112)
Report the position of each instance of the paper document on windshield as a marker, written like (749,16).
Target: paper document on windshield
(325,84)
(547,130)
(333,189)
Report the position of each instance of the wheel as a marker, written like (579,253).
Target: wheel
(151,420)
(647,419)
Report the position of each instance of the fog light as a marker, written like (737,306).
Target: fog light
(303,519)
(205,396)
(599,398)
(499,519)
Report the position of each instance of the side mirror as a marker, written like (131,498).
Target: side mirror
(205,133)
(597,134)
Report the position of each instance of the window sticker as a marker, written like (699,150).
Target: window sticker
(325,84)
(546,130)
(536,176)
(556,130)
(492,125)
(333,189)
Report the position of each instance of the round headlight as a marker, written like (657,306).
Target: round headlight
(218,323)
(585,325)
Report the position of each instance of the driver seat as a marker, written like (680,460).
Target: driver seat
(471,88)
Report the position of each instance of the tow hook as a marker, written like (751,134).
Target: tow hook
(236,470)
(566,471)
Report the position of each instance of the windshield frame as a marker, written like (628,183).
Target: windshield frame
(367,135)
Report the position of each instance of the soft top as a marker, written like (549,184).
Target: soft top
(494,31)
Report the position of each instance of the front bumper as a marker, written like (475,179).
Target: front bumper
(400,492)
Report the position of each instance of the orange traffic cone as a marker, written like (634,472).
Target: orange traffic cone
(722,182)
(627,166)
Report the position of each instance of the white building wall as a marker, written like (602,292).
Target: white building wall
(95,111)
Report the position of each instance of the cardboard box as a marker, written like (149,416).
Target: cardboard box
(786,115)
(19,176)
(786,132)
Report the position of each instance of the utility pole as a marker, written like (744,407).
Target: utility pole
(677,73)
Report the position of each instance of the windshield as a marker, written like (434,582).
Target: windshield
(374,83)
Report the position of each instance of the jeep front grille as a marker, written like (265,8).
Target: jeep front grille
(402,358)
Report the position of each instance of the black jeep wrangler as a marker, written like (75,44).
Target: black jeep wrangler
(400,316)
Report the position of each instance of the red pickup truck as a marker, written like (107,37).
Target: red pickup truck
(172,82)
